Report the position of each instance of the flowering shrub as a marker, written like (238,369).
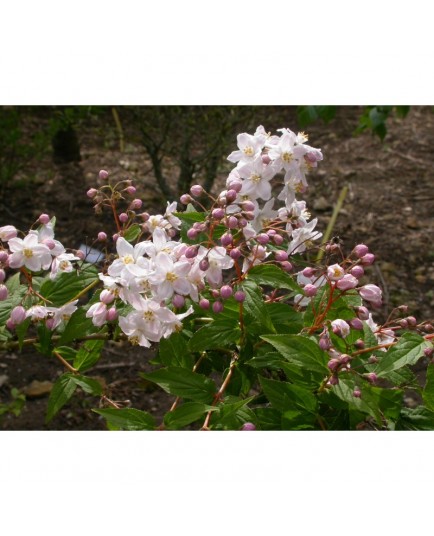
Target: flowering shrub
(252,334)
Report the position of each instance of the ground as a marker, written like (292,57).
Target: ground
(389,207)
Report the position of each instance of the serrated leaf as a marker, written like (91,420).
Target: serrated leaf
(61,392)
(420,418)
(284,396)
(284,318)
(273,276)
(407,351)
(127,418)
(298,420)
(219,333)
(184,383)
(186,414)
(77,326)
(66,352)
(268,418)
(89,385)
(132,232)
(88,355)
(67,285)
(173,351)
(254,305)
(428,391)
(299,350)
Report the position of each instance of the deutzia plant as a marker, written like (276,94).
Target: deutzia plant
(251,333)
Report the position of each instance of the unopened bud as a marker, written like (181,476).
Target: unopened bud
(333,380)
(3,292)
(103,174)
(277,239)
(411,320)
(239,296)
(333,364)
(106,296)
(218,213)
(192,234)
(226,239)
(135,204)
(248,426)
(308,271)
(286,266)
(371,377)
(362,312)
(357,393)
(231,195)
(235,185)
(191,252)
(44,219)
(263,238)
(368,259)
(130,190)
(123,217)
(248,206)
(429,352)
(232,222)
(226,292)
(204,303)
(356,323)
(280,255)
(112,314)
(310,290)
(102,237)
(217,307)
(357,271)
(185,199)
(80,254)
(235,253)
(2,275)
(3,256)
(178,300)
(18,315)
(361,250)
(91,193)
(204,264)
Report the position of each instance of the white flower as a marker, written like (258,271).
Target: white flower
(7,232)
(249,147)
(62,314)
(302,237)
(218,261)
(264,216)
(128,255)
(257,177)
(98,313)
(29,252)
(174,221)
(62,263)
(170,276)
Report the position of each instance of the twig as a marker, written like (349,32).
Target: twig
(332,221)
(65,363)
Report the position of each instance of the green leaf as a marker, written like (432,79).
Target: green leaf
(407,351)
(184,383)
(186,414)
(273,276)
(127,418)
(420,418)
(298,420)
(77,326)
(14,298)
(13,283)
(284,318)
(89,385)
(268,418)
(174,352)
(67,285)
(132,232)
(284,396)
(88,355)
(61,392)
(428,392)
(299,350)
(255,307)
(219,333)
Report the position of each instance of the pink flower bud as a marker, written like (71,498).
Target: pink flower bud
(115,237)
(44,219)
(324,343)
(50,323)
(362,313)
(249,215)
(185,199)
(103,174)
(123,217)
(359,344)
(372,360)
(106,296)
(196,190)
(356,323)
(91,193)
(371,293)
(263,238)
(80,254)
(192,234)
(135,204)
(226,239)
(3,256)
(357,271)
(360,250)
(248,426)
(271,232)
(248,206)
(144,216)
(7,232)
(131,190)
(310,290)
(235,253)
(357,393)
(218,213)
(347,282)
(242,222)
(3,292)
(10,325)
(333,364)
(232,222)
(277,239)
(344,359)
(286,266)
(371,377)
(235,185)
(239,296)
(308,272)
(2,275)
(280,255)
(112,314)
(217,307)
(226,292)
(18,315)
(215,293)
(102,237)
(411,320)
(204,264)
(266,159)
(368,259)
(191,252)
(333,380)
(204,303)
(231,195)
(178,300)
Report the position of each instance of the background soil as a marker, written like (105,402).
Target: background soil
(389,207)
